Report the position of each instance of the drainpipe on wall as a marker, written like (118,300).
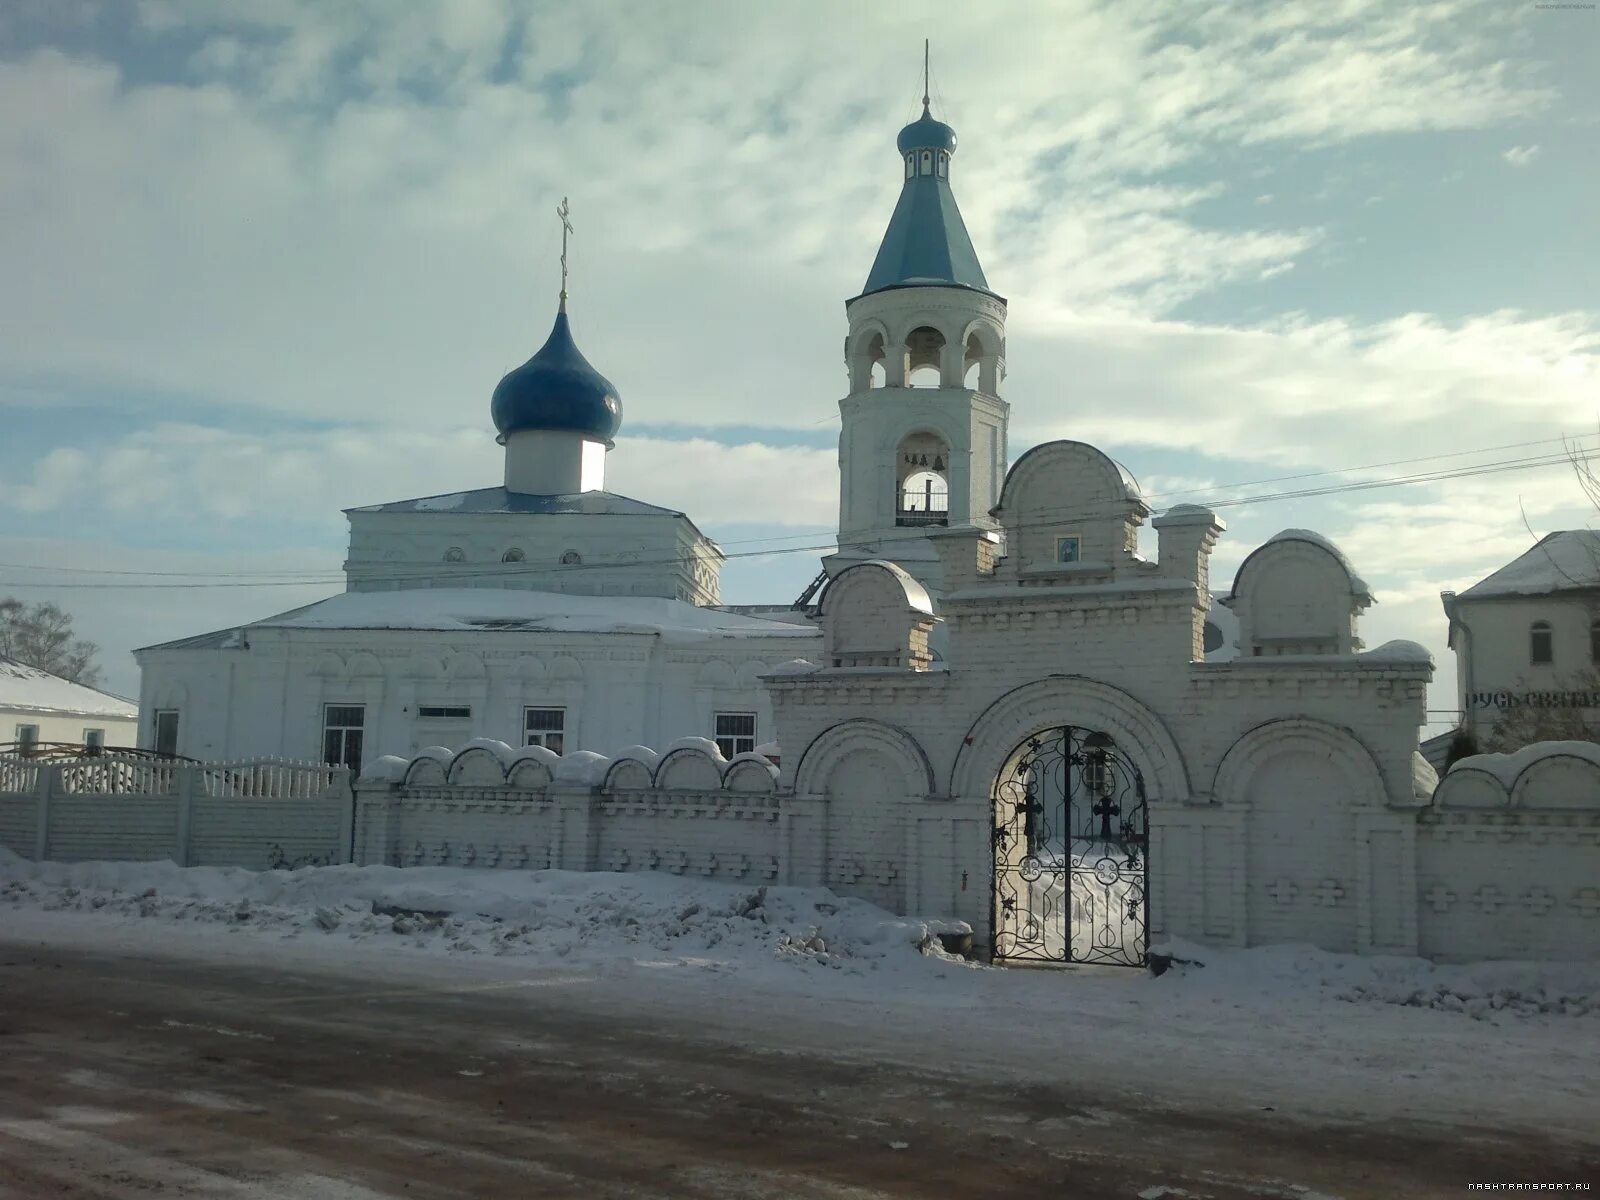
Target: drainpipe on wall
(1452,610)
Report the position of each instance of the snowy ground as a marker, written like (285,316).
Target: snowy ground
(1285,1029)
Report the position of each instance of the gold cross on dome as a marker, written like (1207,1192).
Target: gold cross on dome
(563,211)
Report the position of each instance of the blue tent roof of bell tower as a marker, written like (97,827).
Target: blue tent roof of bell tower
(926,242)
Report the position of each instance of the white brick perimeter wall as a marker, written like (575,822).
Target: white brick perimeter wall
(1500,864)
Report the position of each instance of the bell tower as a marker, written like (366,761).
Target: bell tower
(923,437)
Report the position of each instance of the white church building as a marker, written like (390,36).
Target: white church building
(543,611)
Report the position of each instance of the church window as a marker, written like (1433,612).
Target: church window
(944,163)
(1541,648)
(1067,549)
(571,559)
(343,726)
(513,555)
(1594,641)
(736,733)
(94,740)
(455,554)
(545,727)
(911,165)
(27,740)
(927,162)
(445,712)
(166,731)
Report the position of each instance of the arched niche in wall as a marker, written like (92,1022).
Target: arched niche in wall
(1067,502)
(1300,783)
(689,769)
(1296,593)
(820,760)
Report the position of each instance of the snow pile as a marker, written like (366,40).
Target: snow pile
(580,917)
(1484,991)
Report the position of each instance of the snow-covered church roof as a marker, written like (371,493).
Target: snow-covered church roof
(479,610)
(501,500)
(1565,561)
(28,689)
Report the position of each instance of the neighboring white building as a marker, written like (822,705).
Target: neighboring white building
(546,611)
(1529,634)
(37,707)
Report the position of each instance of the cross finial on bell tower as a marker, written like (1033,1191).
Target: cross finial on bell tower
(566,227)
(924,76)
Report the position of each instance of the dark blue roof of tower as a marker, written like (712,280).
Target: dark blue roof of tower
(926,134)
(557,390)
(927,243)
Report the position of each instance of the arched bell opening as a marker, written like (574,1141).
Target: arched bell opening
(868,362)
(925,357)
(922,481)
(980,361)
(1071,847)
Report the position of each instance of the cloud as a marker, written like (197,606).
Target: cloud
(345,209)
(187,471)
(1521,156)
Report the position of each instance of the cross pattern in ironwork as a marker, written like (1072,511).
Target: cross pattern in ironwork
(1105,808)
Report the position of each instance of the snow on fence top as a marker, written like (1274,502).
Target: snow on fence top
(1543,775)
(112,775)
(688,764)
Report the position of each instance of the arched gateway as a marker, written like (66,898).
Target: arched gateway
(1071,852)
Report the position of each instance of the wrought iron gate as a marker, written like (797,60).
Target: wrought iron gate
(1071,844)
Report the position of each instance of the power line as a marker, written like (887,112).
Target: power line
(1051,516)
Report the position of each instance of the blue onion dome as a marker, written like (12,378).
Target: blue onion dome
(927,134)
(557,390)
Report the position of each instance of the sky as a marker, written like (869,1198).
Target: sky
(267,261)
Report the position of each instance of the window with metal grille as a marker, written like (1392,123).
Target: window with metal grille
(736,733)
(449,712)
(342,729)
(545,727)
(166,731)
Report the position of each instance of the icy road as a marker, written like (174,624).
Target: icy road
(431,1032)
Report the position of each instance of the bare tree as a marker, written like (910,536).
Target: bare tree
(41,636)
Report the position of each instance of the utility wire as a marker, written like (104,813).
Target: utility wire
(375,572)
(1485,468)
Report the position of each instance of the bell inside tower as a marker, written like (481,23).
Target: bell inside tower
(922,481)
